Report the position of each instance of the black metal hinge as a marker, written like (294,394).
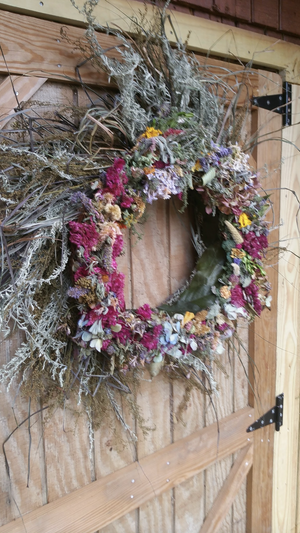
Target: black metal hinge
(278,103)
(274,416)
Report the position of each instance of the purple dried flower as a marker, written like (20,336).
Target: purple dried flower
(77,292)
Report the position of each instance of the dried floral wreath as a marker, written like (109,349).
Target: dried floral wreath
(170,131)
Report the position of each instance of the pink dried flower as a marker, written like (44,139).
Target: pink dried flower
(125,334)
(237,298)
(252,292)
(159,164)
(144,312)
(150,339)
(254,244)
(116,178)
(126,201)
(172,131)
(116,283)
(84,234)
(118,246)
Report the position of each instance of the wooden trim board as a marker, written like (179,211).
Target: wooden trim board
(286,446)
(262,333)
(205,36)
(97,504)
(35,47)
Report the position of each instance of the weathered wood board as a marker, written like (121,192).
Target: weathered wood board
(203,35)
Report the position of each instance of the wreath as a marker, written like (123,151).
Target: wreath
(169,131)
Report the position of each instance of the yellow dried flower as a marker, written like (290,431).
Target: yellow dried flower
(239,254)
(225,292)
(199,328)
(151,132)
(197,166)
(187,318)
(244,220)
(149,170)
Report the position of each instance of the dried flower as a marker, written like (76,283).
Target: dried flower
(236,253)
(113,212)
(244,221)
(187,318)
(225,292)
(238,239)
(151,132)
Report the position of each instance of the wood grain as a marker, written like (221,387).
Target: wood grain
(15,90)
(240,363)
(205,35)
(229,490)
(103,501)
(35,47)
(188,496)
(263,333)
(66,433)
(113,449)
(151,283)
(15,497)
(220,406)
(286,487)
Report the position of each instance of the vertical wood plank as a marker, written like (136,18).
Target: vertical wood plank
(216,475)
(285,489)
(113,448)
(16,498)
(150,257)
(189,496)
(262,338)
(240,360)
(151,283)
(68,451)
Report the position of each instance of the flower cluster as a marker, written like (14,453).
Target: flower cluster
(156,169)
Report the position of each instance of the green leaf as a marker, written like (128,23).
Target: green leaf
(209,176)
(198,294)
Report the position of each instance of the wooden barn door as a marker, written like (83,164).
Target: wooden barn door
(182,476)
